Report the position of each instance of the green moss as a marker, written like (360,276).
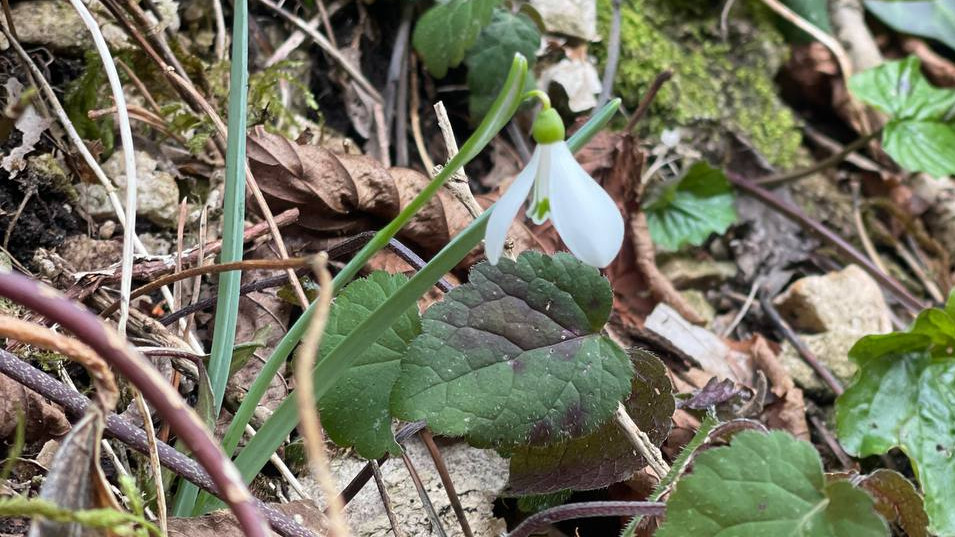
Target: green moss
(720,86)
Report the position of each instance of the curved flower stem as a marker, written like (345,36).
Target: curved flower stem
(112,348)
(540,95)
(585,510)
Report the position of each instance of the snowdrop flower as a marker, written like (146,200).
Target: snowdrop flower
(585,216)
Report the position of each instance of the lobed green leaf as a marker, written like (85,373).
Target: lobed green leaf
(447,30)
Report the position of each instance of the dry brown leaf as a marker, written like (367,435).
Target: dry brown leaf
(341,194)
(789,412)
(44,420)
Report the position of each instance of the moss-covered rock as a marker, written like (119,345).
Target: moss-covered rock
(719,86)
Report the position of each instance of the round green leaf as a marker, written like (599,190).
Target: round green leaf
(689,210)
(767,484)
(355,411)
(515,356)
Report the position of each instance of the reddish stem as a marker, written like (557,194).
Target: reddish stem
(116,351)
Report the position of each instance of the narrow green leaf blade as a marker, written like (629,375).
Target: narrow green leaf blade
(355,410)
(447,30)
(767,484)
(515,356)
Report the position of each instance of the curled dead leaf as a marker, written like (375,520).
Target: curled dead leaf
(44,420)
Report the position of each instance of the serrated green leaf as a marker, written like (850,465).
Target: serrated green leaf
(447,30)
(515,356)
(934,19)
(904,395)
(899,88)
(490,57)
(605,456)
(921,146)
(767,484)
(355,411)
(689,210)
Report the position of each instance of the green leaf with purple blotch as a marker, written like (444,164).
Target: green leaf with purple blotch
(515,356)
(605,456)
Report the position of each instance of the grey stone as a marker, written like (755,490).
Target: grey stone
(479,476)
(576,18)
(157,192)
(686,272)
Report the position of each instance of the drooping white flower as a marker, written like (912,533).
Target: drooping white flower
(584,215)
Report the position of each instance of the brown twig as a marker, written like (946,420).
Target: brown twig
(445,476)
(75,404)
(641,442)
(423,495)
(648,97)
(183,420)
(309,424)
(794,213)
(828,162)
(245,264)
(385,498)
(807,355)
(570,511)
(613,57)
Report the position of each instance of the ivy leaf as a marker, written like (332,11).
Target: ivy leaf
(767,484)
(355,411)
(688,210)
(447,30)
(606,456)
(490,58)
(934,19)
(904,395)
(515,356)
(921,133)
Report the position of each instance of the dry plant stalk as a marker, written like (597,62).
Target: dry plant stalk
(309,421)
(103,380)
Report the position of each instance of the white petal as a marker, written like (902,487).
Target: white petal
(506,208)
(584,215)
(541,191)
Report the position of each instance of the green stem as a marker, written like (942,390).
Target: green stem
(233,219)
(268,439)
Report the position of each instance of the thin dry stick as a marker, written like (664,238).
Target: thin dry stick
(154,465)
(282,468)
(129,158)
(220,30)
(860,228)
(445,476)
(930,286)
(245,264)
(827,377)
(385,499)
(744,309)
(613,57)
(329,49)
(423,495)
(309,424)
(641,441)
(458,185)
(16,216)
(107,392)
(415,117)
(828,162)
(140,86)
